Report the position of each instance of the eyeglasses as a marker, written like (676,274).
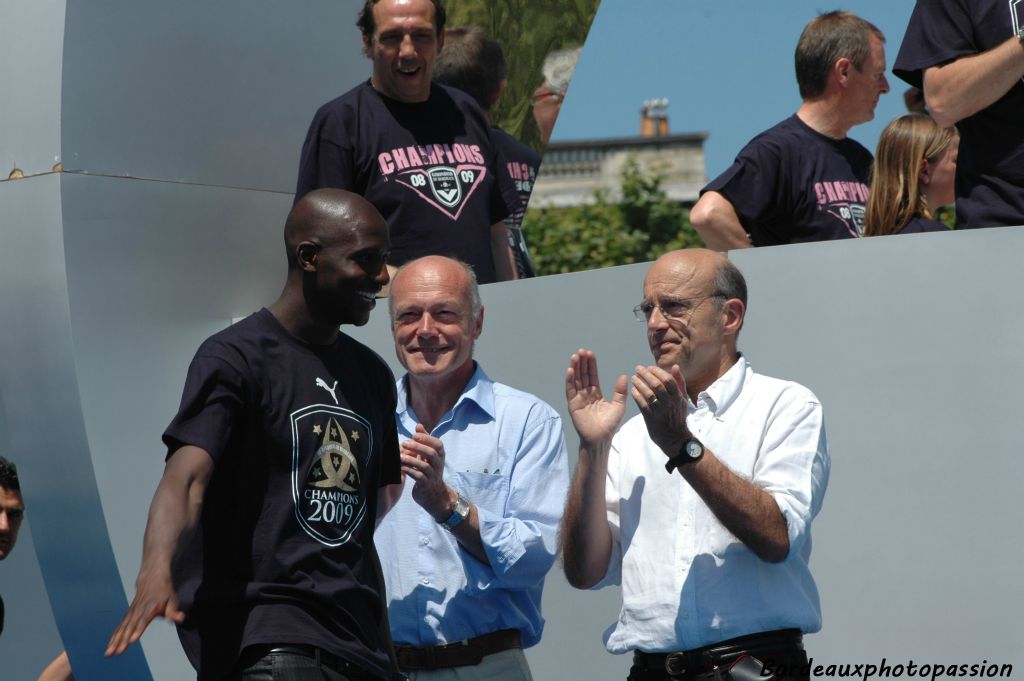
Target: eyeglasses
(676,310)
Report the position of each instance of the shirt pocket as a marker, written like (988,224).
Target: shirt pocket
(488,491)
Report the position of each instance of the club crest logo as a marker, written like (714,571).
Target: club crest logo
(447,188)
(331,447)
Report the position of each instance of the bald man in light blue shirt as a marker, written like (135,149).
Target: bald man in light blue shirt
(466,548)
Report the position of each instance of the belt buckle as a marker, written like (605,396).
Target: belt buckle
(675,664)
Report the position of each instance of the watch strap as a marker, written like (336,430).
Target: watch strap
(683,457)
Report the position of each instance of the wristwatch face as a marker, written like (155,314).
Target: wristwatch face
(459,513)
(694,449)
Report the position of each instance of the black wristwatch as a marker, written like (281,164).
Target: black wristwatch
(690,453)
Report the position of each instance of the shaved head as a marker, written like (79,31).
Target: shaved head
(324,216)
(709,267)
(439,266)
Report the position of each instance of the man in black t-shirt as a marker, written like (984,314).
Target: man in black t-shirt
(259,544)
(421,153)
(968,57)
(475,64)
(804,179)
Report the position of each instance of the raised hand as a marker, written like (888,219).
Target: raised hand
(661,396)
(423,460)
(594,417)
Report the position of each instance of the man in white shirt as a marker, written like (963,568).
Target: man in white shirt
(713,555)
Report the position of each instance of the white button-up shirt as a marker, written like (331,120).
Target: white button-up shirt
(686,580)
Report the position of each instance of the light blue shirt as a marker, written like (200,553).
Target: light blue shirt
(504,452)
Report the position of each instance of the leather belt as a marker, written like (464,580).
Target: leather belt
(459,654)
(783,646)
(322,657)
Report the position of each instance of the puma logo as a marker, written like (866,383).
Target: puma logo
(320,383)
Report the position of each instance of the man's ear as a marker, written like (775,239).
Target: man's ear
(732,312)
(367,42)
(479,326)
(498,93)
(305,254)
(842,69)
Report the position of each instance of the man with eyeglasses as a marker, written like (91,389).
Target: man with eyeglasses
(283,455)
(422,153)
(701,505)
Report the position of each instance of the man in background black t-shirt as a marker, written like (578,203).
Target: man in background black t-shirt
(968,57)
(421,153)
(475,64)
(259,544)
(804,179)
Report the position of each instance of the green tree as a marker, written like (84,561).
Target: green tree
(638,227)
(527,30)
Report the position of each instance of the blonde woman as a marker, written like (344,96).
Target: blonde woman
(914,172)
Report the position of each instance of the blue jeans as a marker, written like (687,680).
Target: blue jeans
(288,667)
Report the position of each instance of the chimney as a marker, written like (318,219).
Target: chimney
(654,118)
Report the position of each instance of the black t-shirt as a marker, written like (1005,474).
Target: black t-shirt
(919,224)
(791,184)
(430,168)
(990,164)
(302,437)
(522,164)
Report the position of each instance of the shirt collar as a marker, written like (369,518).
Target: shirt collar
(479,391)
(720,394)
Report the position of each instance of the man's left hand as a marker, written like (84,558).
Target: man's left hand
(662,399)
(423,461)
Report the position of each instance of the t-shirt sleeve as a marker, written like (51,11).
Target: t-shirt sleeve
(211,404)
(391,464)
(939,31)
(752,183)
(505,199)
(327,156)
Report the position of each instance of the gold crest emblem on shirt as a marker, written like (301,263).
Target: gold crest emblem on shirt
(334,465)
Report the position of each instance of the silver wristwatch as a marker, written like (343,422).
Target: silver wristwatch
(459,513)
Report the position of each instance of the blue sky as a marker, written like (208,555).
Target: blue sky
(725,65)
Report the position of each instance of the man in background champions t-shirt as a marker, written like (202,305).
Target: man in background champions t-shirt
(420,152)
(475,64)
(804,179)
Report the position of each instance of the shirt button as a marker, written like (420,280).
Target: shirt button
(425,541)
(426,580)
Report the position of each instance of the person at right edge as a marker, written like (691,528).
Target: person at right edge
(805,179)
(968,57)
(701,505)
